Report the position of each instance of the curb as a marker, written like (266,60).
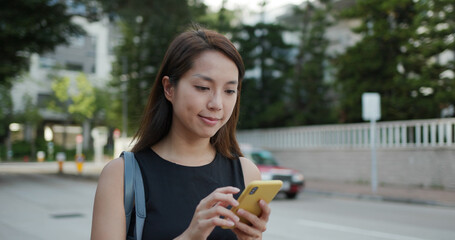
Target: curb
(378,198)
(90,177)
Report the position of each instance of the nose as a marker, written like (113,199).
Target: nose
(215,103)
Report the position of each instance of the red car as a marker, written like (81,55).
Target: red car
(293,180)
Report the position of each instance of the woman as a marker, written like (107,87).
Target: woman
(186,148)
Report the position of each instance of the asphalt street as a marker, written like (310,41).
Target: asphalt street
(317,217)
(46,206)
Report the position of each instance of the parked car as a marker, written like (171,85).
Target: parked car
(293,180)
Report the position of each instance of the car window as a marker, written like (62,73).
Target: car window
(264,158)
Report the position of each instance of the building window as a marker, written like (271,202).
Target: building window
(71,66)
(78,41)
(45,62)
(43,100)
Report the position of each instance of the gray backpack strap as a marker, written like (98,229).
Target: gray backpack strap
(128,187)
(134,193)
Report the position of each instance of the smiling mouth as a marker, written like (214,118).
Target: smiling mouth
(209,120)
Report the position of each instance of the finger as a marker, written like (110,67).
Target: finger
(266,210)
(218,211)
(216,221)
(222,222)
(227,189)
(256,222)
(223,195)
(224,204)
(240,234)
(247,230)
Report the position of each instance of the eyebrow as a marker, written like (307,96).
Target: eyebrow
(211,80)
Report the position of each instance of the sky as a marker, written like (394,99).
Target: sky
(250,4)
(274,8)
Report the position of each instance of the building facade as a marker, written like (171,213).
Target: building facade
(91,54)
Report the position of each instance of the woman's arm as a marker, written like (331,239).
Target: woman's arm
(250,171)
(108,220)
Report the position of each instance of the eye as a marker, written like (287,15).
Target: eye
(201,88)
(230,91)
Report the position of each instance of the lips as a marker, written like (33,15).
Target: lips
(211,121)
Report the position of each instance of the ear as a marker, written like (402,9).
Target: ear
(168,88)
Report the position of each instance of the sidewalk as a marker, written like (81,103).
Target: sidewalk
(89,170)
(434,197)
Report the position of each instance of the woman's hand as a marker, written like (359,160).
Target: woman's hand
(258,224)
(208,212)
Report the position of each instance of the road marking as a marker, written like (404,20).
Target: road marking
(328,226)
(67,215)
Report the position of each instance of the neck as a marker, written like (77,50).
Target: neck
(185,151)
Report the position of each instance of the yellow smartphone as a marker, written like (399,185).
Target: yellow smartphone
(255,191)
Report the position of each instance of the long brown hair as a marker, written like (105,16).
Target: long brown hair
(157,117)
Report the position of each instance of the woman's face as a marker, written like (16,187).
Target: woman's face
(205,96)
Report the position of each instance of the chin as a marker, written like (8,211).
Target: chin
(208,134)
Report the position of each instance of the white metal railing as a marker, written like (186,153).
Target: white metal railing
(395,134)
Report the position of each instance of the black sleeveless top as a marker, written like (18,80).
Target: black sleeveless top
(173,191)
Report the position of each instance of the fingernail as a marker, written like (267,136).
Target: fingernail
(231,223)
(236,218)
(241,211)
(236,203)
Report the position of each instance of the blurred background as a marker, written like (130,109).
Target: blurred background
(75,76)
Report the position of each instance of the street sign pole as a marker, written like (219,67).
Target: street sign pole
(374,169)
(371,111)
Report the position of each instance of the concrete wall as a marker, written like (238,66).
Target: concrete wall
(433,167)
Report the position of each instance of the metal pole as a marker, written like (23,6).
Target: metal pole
(124,80)
(374,171)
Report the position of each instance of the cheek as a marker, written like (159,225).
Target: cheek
(189,102)
(229,106)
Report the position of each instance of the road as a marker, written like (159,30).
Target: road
(45,207)
(34,206)
(316,217)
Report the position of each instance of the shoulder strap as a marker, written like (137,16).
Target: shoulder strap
(128,197)
(134,193)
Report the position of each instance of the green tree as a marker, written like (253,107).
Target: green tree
(371,64)
(60,99)
(6,106)
(268,67)
(221,21)
(30,114)
(105,103)
(30,118)
(78,105)
(427,60)
(147,28)
(6,113)
(310,103)
(31,26)
(83,102)
(400,56)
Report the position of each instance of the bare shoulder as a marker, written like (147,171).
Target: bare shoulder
(110,182)
(108,209)
(250,170)
(113,169)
